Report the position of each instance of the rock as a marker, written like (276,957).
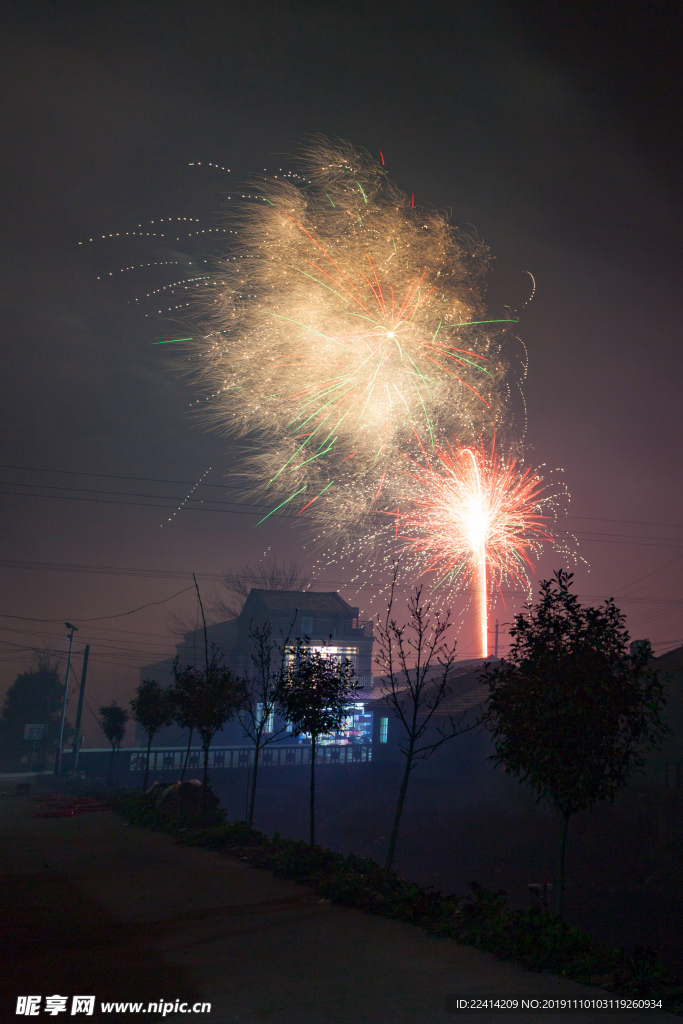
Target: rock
(184,801)
(156,791)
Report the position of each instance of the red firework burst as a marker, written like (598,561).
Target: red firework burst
(476,520)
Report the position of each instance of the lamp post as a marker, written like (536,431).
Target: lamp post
(58,755)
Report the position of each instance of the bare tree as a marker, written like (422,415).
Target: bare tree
(408,655)
(181,622)
(269,573)
(257,716)
(47,660)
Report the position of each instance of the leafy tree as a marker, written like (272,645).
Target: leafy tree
(154,709)
(314,697)
(261,693)
(113,721)
(409,654)
(570,712)
(206,700)
(36,697)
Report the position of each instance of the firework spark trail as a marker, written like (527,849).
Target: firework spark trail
(477,519)
(352,324)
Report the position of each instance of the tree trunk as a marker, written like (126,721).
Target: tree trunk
(111,764)
(560,864)
(149,747)
(187,756)
(312,790)
(250,817)
(206,779)
(399,807)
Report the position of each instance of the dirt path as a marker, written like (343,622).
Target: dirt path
(93,906)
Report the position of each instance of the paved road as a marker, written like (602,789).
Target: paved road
(95,906)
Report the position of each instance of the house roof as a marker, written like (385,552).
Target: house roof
(222,633)
(321,603)
(466,692)
(672,660)
(459,675)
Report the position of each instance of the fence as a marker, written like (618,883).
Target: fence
(243,757)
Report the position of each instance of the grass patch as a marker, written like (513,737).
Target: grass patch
(533,938)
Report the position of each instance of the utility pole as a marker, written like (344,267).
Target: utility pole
(58,755)
(79,713)
(496,643)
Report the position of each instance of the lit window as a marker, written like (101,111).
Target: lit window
(383,730)
(269,724)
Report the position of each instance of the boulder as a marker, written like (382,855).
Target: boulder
(156,791)
(184,801)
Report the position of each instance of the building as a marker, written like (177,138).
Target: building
(665,766)
(464,703)
(323,616)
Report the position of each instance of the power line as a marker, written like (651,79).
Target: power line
(100,618)
(654,573)
(112,647)
(145,504)
(106,570)
(106,643)
(103,570)
(122,494)
(113,476)
(588,536)
(112,629)
(58,652)
(230,487)
(110,658)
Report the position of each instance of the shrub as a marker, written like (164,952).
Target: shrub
(227,835)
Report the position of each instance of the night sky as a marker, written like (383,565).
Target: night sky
(553,128)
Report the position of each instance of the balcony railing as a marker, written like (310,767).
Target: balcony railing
(321,629)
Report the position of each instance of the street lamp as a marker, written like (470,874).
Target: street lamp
(58,755)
